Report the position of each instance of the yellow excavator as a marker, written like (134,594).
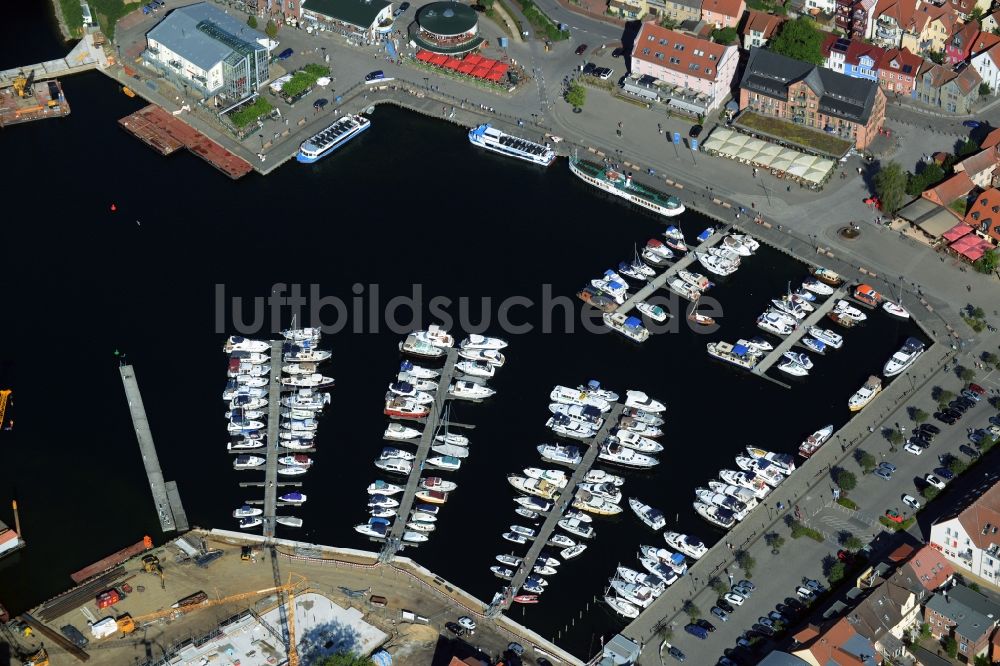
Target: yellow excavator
(22,84)
(40,658)
(151,564)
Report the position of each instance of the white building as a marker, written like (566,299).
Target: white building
(969,538)
(986,64)
(205,48)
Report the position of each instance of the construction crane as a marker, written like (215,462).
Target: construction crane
(22,84)
(127,624)
(4,396)
(293,653)
(151,564)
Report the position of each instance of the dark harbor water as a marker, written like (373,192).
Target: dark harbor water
(409,203)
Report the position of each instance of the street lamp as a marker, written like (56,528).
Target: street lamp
(261,142)
(427,83)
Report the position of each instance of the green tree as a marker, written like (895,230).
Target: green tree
(853,543)
(271,29)
(746,562)
(896,438)
(951,646)
(925,631)
(919,416)
(987,263)
(846,480)
(668,23)
(981,660)
(967,374)
(974,586)
(890,186)
(867,462)
(976,14)
(344,659)
(936,57)
(929,493)
(930,175)
(576,95)
(967,148)
(945,396)
(725,36)
(799,39)
(957,466)
(984,88)
(978,312)
(774,540)
(252,21)
(836,573)
(718,586)
(692,610)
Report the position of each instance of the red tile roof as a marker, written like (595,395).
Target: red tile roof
(827,646)
(950,189)
(984,42)
(906,63)
(733,8)
(986,508)
(930,568)
(762,22)
(858,48)
(992,139)
(660,40)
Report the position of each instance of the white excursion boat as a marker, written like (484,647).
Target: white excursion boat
(476,341)
(331,138)
(654,518)
(904,358)
(689,545)
(827,337)
(490,138)
(654,312)
(239,343)
(248,461)
(399,432)
(865,394)
(464,390)
(639,400)
(621,185)
(630,327)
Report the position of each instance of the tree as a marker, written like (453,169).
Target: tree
(344,659)
(931,174)
(746,562)
(936,57)
(271,29)
(967,148)
(984,88)
(890,186)
(252,21)
(867,462)
(896,438)
(668,23)
(945,396)
(957,466)
(724,35)
(853,543)
(846,480)
(929,493)
(951,646)
(718,586)
(919,415)
(967,374)
(987,263)
(576,95)
(836,573)
(925,631)
(774,540)
(974,586)
(978,313)
(692,610)
(981,660)
(799,39)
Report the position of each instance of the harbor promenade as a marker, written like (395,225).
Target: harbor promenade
(83,57)
(168,505)
(394,543)
(273,421)
(562,503)
(811,320)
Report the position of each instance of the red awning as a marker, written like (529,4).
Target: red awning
(481,71)
(452,63)
(466,67)
(473,59)
(424,55)
(438,59)
(957,232)
(494,75)
(500,67)
(971,247)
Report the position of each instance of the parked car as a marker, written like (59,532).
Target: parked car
(581,49)
(719,613)
(603,73)
(589,68)
(804,593)
(977,389)
(944,473)
(845,556)
(786,610)
(884,472)
(932,480)
(911,501)
(742,590)
(971,395)
(747,584)
(767,631)
(888,465)
(284,55)
(695,131)
(813,585)
(377,75)
(735,598)
(893,516)
(454,628)
(320,103)
(913,448)
(676,653)
(725,661)
(947,419)
(618,52)
(930,427)
(973,124)
(766,621)
(695,630)
(724,605)
(705,624)
(969,451)
(778,617)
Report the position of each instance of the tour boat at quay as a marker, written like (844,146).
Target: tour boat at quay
(330,139)
(493,139)
(621,185)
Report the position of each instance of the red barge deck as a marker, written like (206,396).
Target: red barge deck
(111,560)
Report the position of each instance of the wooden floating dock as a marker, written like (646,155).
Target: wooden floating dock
(394,543)
(796,335)
(563,502)
(168,505)
(166,133)
(271,466)
(661,280)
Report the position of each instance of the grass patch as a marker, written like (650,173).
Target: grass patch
(794,133)
(107,13)
(976,325)
(847,503)
(511,15)
(800,530)
(959,205)
(304,79)
(541,22)
(251,112)
(72,14)
(595,82)
(897,527)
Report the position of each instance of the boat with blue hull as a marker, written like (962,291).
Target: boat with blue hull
(330,139)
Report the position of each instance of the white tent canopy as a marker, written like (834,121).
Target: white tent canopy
(729,143)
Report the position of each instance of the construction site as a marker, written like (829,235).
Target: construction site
(224,598)
(27,99)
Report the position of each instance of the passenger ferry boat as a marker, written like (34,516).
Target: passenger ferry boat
(493,139)
(621,185)
(333,137)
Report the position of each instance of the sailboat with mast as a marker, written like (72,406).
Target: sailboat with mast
(896,309)
(443,437)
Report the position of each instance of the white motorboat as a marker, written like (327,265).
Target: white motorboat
(675,561)
(563,455)
(630,270)
(689,545)
(293,470)
(556,477)
(639,400)
(785,462)
(616,454)
(292,435)
(715,514)
(654,518)
(299,368)
(299,459)
(736,246)
(419,526)
(534,503)
(637,595)
(419,398)
(658,249)
(800,358)
(426,385)
(436,336)
(238,368)
(572,551)
(600,476)
(394,465)
(476,368)
(437,483)
(250,381)
(815,345)
(567,427)
(298,444)
(246,402)
(452,439)
(587,414)
(591,503)
(476,341)
(904,358)
(250,521)
(737,354)
(759,343)
(405,408)
(414,537)
(814,441)
(447,463)
(792,368)
(895,309)
(622,607)
(802,301)
(657,568)
(491,356)
(432,497)
(247,414)
(637,441)
(715,264)
(538,487)
(381,512)
(827,337)
(645,417)
(380,487)
(304,354)
(738,509)
(288,521)
(254,358)
(515,538)
(248,461)
(300,335)
(817,287)
(560,541)
(696,280)
(294,497)
(383,501)
(742,494)
(239,343)
(579,515)
(527,513)
(239,392)
(605,491)
(654,312)
(791,309)
(247,511)
(655,583)
(774,323)
(639,428)
(865,394)
(630,327)
(297,425)
(804,294)
(747,240)
(423,516)
(373,530)
(245,444)
(509,560)
(417,371)
(654,258)
(420,347)
(463,390)
(569,396)
(544,571)
(845,309)
(616,290)
(399,432)
(296,414)
(392,452)
(450,450)
(315,380)
(502,572)
(306,398)
(747,480)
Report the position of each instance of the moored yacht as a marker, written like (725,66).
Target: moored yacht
(463,390)
(420,347)
(630,327)
(715,514)
(689,545)
(563,455)
(827,337)
(405,408)
(785,462)
(476,341)
(248,462)
(637,442)
(567,427)
(738,354)
(654,312)
(245,511)
(654,518)
(895,309)
(399,432)
(616,454)
(904,358)
(496,141)
(238,343)
(639,400)
(817,287)
(748,480)
(814,441)
(864,395)
(491,356)
(792,368)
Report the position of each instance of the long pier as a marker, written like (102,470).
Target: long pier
(273,417)
(660,281)
(394,543)
(83,57)
(796,335)
(563,502)
(168,506)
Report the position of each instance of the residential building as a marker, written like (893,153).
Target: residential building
(969,537)
(202,47)
(723,13)
(682,10)
(985,58)
(984,216)
(942,88)
(628,9)
(699,71)
(991,21)
(960,44)
(861,60)
(836,644)
(963,8)
(282,11)
(366,17)
(898,70)
(919,27)
(759,28)
(813,7)
(969,616)
(854,17)
(981,168)
(943,194)
(884,616)
(815,97)
(834,50)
